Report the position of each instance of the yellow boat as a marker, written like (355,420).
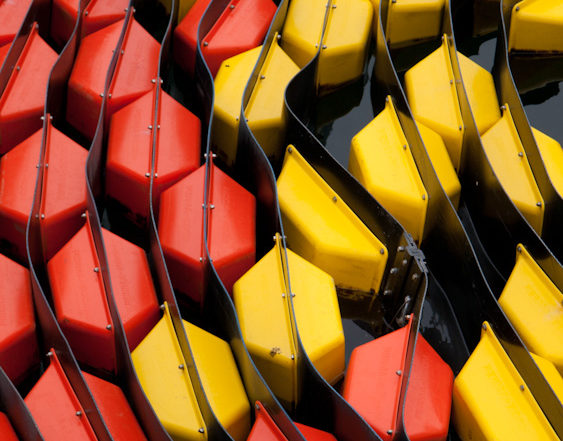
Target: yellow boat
(381,160)
(491,401)
(536,26)
(321,228)
(163,374)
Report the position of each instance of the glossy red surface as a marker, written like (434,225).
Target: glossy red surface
(18,342)
(130,149)
(12,14)
(80,299)
(373,381)
(116,412)
(56,409)
(231,235)
(312,434)
(100,13)
(264,428)
(64,190)
(21,104)
(6,430)
(136,67)
(242,26)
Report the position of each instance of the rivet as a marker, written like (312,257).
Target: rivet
(484,326)
(37,166)
(122,51)
(401,248)
(18,67)
(399,372)
(262,77)
(292,357)
(162,307)
(387,292)
(85,12)
(108,327)
(522,387)
(279,36)
(519,248)
(83,215)
(158,126)
(538,204)
(390,432)
(521,154)
(283,295)
(232,6)
(451,81)
(476,183)
(96,269)
(333,6)
(49,354)
(334,199)
(408,316)
(503,108)
(404,146)
(415,276)
(78,413)
(153,80)
(102,95)
(205,43)
(290,150)
(394,271)
(147,174)
(212,206)
(517,8)
(404,262)
(324,46)
(150,127)
(316,44)
(257,406)
(460,128)
(292,294)
(109,95)
(42,216)
(42,118)
(423,197)
(201,430)
(201,259)
(181,366)
(382,251)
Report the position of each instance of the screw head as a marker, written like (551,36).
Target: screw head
(96,269)
(78,413)
(108,327)
(399,372)
(201,430)
(382,251)
(181,366)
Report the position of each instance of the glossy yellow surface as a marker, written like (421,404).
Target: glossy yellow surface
(532,303)
(344,44)
(264,312)
(169,389)
(410,21)
(552,156)
(221,381)
(381,160)
(441,162)
(507,157)
(480,88)
(230,82)
(266,110)
(536,25)
(321,228)
(491,400)
(266,325)
(551,374)
(430,88)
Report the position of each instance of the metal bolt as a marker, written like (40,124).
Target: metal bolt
(283,295)
(390,432)
(387,292)
(522,387)
(292,357)
(460,128)
(521,154)
(423,197)
(292,294)
(49,354)
(158,126)
(108,327)
(42,216)
(83,215)
(162,307)
(279,36)
(399,372)
(232,6)
(404,146)
(201,430)
(205,43)
(102,95)
(150,127)
(78,413)
(289,150)
(181,366)
(122,51)
(394,271)
(85,12)
(333,6)
(415,276)
(316,44)
(324,46)
(538,204)
(401,248)
(404,262)
(382,251)
(96,269)
(484,326)
(212,206)
(18,67)
(503,108)
(451,81)
(153,80)
(201,259)
(109,95)
(517,8)
(519,248)
(262,77)
(257,406)
(147,174)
